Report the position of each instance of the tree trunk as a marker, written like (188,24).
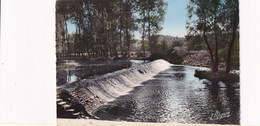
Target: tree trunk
(231,46)
(210,51)
(128,42)
(215,66)
(149,32)
(143,36)
(120,33)
(120,40)
(75,42)
(115,50)
(67,37)
(79,46)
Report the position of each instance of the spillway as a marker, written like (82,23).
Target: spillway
(89,94)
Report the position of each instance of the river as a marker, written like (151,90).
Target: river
(92,69)
(176,96)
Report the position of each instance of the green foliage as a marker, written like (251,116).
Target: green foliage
(195,42)
(235,52)
(170,56)
(217,22)
(140,54)
(151,16)
(177,43)
(174,57)
(67,65)
(161,51)
(163,47)
(235,56)
(105,26)
(153,43)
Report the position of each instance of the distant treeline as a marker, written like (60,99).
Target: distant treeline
(105,28)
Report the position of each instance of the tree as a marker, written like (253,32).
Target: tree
(215,18)
(104,27)
(152,13)
(231,14)
(62,16)
(196,42)
(128,23)
(142,20)
(207,23)
(77,17)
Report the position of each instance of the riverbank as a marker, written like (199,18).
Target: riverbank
(200,58)
(217,76)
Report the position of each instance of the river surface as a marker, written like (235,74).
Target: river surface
(176,96)
(92,70)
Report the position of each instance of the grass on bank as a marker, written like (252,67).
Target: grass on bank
(217,76)
(67,65)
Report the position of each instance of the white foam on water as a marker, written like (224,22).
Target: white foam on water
(108,87)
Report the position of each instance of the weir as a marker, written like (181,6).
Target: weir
(80,99)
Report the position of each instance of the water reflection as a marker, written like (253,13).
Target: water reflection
(178,68)
(175,95)
(90,69)
(67,75)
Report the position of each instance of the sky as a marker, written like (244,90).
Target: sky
(175,19)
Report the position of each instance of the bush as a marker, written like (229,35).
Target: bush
(217,76)
(172,57)
(140,54)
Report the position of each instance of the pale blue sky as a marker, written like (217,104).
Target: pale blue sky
(175,19)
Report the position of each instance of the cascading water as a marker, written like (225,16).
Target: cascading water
(176,96)
(153,92)
(92,93)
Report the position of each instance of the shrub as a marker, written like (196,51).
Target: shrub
(172,57)
(140,54)
(217,76)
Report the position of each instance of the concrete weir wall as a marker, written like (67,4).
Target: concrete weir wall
(89,94)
